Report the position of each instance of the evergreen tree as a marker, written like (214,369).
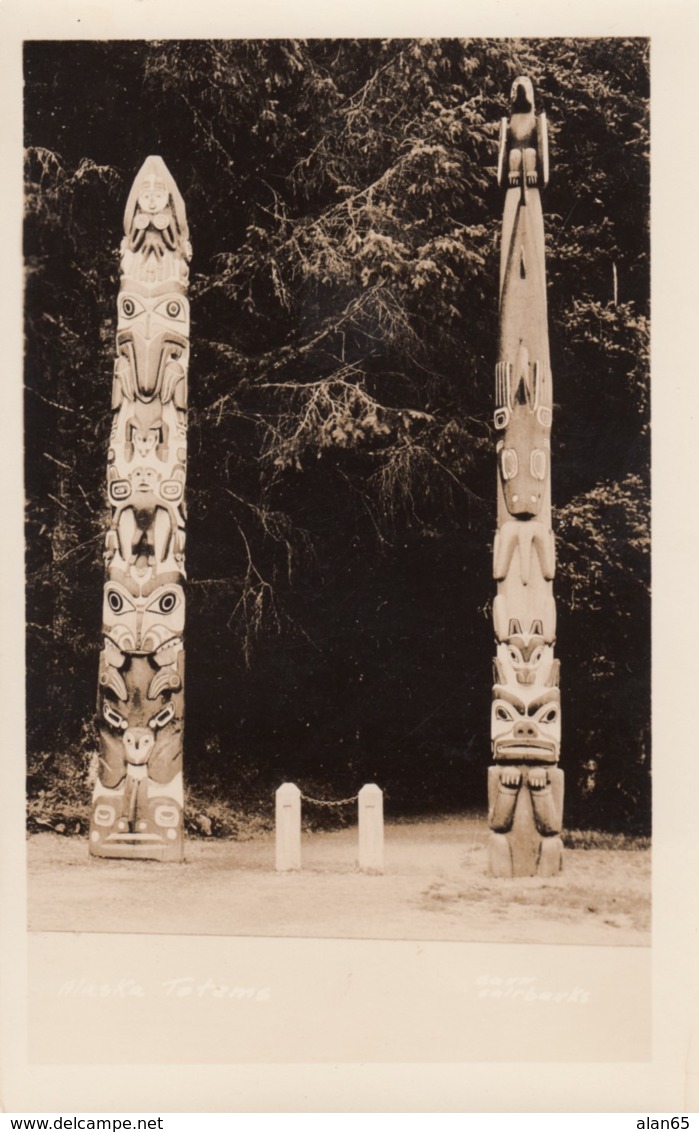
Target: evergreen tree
(345,222)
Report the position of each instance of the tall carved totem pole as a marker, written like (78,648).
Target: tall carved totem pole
(525,786)
(137,804)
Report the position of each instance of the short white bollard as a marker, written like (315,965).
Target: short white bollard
(288,828)
(371,829)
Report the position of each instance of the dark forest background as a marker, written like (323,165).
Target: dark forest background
(344,215)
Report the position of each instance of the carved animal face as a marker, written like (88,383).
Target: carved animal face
(140,718)
(148,451)
(526,729)
(145,443)
(524,415)
(525,659)
(151,367)
(523,465)
(142,619)
(153,310)
(138,741)
(152,338)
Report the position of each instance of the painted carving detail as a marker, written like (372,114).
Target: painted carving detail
(138,797)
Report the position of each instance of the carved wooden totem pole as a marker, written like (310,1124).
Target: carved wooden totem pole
(525,786)
(138,797)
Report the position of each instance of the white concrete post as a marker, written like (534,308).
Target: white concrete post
(371,829)
(288,828)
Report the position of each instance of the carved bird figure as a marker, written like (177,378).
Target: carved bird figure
(523,155)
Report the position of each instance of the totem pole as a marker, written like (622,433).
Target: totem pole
(525,787)
(138,797)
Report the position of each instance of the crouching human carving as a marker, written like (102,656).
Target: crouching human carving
(525,814)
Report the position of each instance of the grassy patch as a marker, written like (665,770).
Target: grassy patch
(598,839)
(59,788)
(58,794)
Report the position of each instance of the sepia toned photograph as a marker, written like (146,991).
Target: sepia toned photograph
(405,436)
(337,387)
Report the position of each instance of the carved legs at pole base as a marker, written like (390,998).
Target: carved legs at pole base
(525,816)
(506,859)
(551,859)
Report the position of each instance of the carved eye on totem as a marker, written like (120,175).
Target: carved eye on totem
(168,816)
(130,307)
(118,603)
(550,716)
(508,463)
(114,717)
(173,309)
(503,714)
(546,715)
(536,656)
(165,603)
(162,717)
(537,462)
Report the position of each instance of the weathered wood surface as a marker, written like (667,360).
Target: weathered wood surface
(525,788)
(138,797)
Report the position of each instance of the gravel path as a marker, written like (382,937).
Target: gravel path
(435,886)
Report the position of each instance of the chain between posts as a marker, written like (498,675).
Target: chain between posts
(330,805)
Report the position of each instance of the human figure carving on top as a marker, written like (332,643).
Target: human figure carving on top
(156,243)
(153,223)
(138,798)
(155,219)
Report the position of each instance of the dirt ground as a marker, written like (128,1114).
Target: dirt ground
(435,886)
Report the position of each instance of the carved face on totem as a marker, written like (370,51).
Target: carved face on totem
(137,802)
(153,309)
(526,659)
(153,343)
(156,246)
(144,487)
(526,729)
(147,453)
(524,416)
(143,618)
(153,225)
(153,199)
(140,727)
(146,471)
